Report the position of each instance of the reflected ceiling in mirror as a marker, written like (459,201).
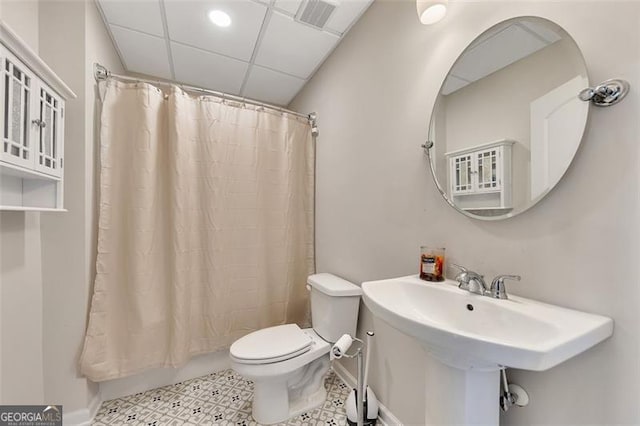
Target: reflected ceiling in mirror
(508,122)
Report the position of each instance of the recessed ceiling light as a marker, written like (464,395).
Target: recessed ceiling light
(431,11)
(220,18)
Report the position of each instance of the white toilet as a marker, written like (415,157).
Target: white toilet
(286,363)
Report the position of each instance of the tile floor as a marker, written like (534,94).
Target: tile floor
(222,398)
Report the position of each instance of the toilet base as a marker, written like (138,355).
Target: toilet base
(308,403)
(276,401)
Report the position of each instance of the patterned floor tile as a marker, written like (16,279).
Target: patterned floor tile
(222,398)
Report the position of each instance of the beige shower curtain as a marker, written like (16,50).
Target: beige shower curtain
(205,228)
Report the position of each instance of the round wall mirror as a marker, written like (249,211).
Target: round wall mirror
(508,121)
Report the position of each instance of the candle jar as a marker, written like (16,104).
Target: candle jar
(432,263)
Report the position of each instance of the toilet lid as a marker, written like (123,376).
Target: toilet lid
(271,344)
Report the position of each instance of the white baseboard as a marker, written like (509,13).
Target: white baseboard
(385,417)
(84,416)
(198,366)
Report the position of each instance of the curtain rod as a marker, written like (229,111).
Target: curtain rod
(101,73)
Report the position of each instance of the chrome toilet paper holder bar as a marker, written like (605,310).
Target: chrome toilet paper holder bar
(360,394)
(358,350)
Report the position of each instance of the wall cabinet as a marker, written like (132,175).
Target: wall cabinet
(480,177)
(32,114)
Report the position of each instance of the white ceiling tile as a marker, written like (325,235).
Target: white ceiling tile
(346,13)
(142,52)
(271,86)
(189,23)
(141,15)
(501,49)
(288,6)
(453,83)
(219,58)
(293,48)
(205,69)
(550,35)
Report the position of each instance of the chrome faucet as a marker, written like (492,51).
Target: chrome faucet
(470,281)
(498,289)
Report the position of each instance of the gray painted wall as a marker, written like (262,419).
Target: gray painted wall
(47,260)
(376,203)
(21,367)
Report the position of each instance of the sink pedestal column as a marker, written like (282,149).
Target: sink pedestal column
(461,397)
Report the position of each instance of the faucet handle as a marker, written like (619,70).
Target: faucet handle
(463,276)
(498,289)
(462,268)
(470,281)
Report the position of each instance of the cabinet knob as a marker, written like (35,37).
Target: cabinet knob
(40,123)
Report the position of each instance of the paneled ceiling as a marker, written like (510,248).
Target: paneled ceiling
(497,49)
(266,53)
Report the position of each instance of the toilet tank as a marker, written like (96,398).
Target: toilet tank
(334,306)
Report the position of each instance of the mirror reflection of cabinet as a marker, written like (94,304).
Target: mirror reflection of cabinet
(480,177)
(32,109)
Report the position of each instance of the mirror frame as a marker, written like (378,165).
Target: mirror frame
(430,142)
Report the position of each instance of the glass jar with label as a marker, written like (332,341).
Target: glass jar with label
(431,263)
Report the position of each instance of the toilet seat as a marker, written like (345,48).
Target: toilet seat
(269,345)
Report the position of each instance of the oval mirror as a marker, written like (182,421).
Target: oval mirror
(507,121)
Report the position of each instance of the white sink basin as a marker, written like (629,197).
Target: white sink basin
(467,331)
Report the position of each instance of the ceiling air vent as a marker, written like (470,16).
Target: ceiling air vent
(316,12)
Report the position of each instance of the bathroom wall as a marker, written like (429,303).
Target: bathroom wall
(63,235)
(59,248)
(21,374)
(21,370)
(22,17)
(376,202)
(68,240)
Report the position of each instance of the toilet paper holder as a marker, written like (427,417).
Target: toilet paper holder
(340,354)
(358,350)
(361,392)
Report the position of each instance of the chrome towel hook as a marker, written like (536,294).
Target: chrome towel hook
(607,93)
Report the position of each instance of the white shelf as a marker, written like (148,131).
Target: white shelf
(8,169)
(476,148)
(30,209)
(487,208)
(478,192)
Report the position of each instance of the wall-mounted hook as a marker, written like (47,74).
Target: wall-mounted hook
(427,145)
(100,73)
(314,124)
(607,93)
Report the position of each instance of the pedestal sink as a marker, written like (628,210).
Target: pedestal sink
(473,337)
